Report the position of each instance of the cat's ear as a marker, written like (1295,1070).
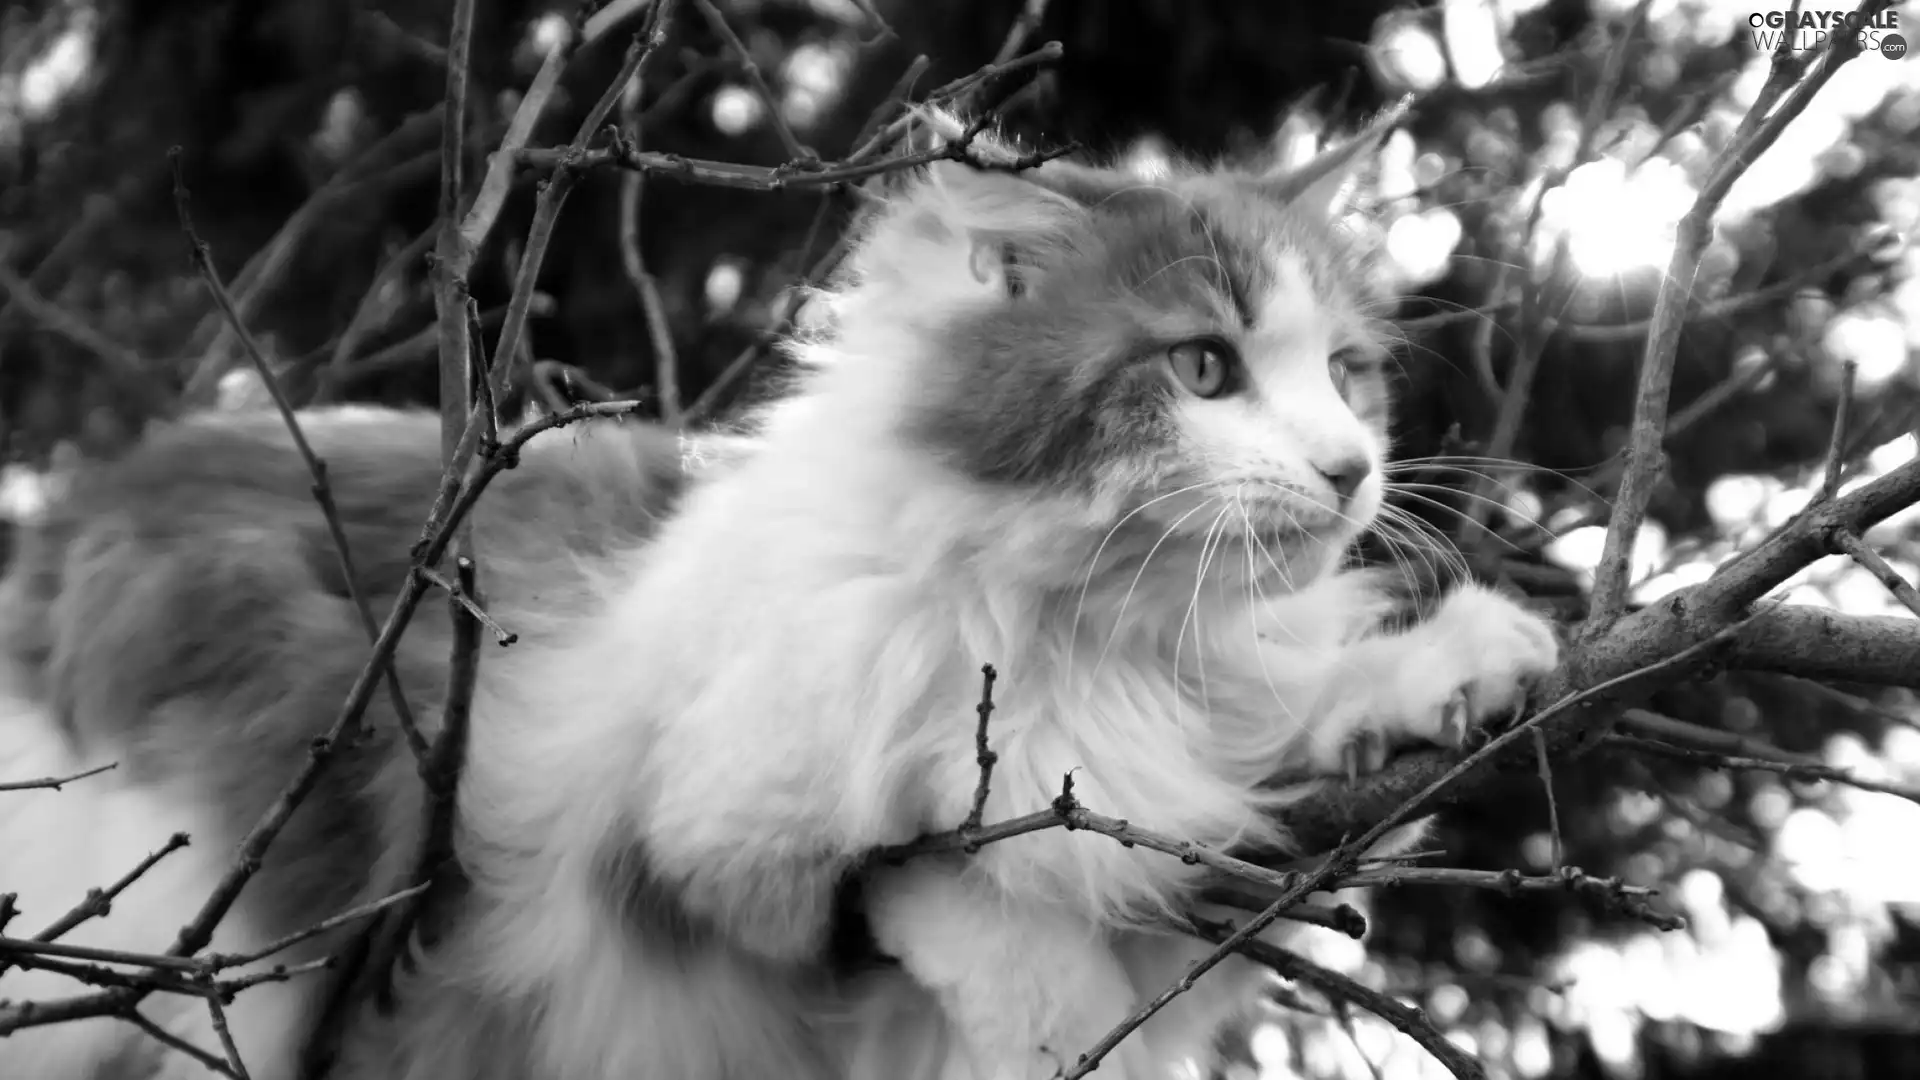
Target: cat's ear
(1324,184)
(961,229)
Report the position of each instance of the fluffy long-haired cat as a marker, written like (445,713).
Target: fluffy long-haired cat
(1114,437)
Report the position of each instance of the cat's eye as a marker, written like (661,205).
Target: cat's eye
(1340,369)
(1207,367)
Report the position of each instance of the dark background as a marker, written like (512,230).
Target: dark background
(273,99)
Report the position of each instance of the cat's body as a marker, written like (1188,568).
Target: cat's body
(1113,439)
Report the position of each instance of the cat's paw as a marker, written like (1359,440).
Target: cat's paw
(1436,683)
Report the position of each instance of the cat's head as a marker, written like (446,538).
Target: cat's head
(1166,350)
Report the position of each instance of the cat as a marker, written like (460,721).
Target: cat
(1115,437)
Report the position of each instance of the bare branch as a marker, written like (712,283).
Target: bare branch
(1844,541)
(666,361)
(222,961)
(452,254)
(1024,25)
(168,1039)
(55,783)
(1409,1020)
(1837,439)
(362,321)
(983,753)
(1705,746)
(123,363)
(316,468)
(98,902)
(223,1030)
(1758,131)
(470,607)
(797,152)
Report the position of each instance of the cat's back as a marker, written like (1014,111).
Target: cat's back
(200,560)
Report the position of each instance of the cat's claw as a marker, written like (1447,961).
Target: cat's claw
(1364,755)
(1437,684)
(1455,719)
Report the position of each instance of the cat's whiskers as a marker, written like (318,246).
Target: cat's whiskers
(1463,463)
(1093,564)
(1489,530)
(1119,617)
(1403,532)
(1256,602)
(1414,488)
(1282,572)
(1423,536)
(1209,546)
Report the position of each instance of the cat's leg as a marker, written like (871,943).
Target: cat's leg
(1029,987)
(1434,682)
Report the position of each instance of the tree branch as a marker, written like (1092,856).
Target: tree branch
(1646,458)
(1411,1021)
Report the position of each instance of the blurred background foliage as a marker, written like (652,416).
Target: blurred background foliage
(1529,228)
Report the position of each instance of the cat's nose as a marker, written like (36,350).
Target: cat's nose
(1345,475)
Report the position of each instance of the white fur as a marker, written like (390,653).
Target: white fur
(785,677)
(57,845)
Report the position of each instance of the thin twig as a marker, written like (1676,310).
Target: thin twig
(98,209)
(210,1062)
(798,153)
(761,178)
(1678,739)
(1845,542)
(316,468)
(1338,863)
(437,533)
(123,363)
(553,195)
(1545,768)
(1411,1021)
(420,345)
(1837,438)
(436,865)
(55,783)
(452,254)
(896,99)
(384,165)
(213,962)
(99,902)
(362,322)
(961,93)
(1024,25)
(666,362)
(1759,130)
(1341,918)
(983,753)
(498,179)
(470,607)
(222,1030)
(1538,297)
(1789,770)
(709,400)
(484,401)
